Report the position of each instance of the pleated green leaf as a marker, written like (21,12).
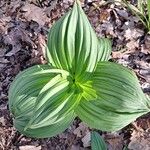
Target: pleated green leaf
(104,49)
(73,45)
(120,99)
(45,131)
(28,83)
(97,142)
(25,96)
(58,100)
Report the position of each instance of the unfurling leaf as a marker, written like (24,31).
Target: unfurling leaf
(120,99)
(73,45)
(78,80)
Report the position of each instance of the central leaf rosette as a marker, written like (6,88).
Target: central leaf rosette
(77,81)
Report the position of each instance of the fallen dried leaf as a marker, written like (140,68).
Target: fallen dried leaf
(132,45)
(2,121)
(81,130)
(75,147)
(115,141)
(86,139)
(131,34)
(42,45)
(29,147)
(139,140)
(35,13)
(14,38)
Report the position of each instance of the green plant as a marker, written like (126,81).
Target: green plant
(97,142)
(142,11)
(77,81)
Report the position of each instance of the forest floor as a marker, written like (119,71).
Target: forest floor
(24,26)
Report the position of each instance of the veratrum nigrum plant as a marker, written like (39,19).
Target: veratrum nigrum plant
(77,81)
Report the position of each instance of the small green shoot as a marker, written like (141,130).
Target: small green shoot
(97,142)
